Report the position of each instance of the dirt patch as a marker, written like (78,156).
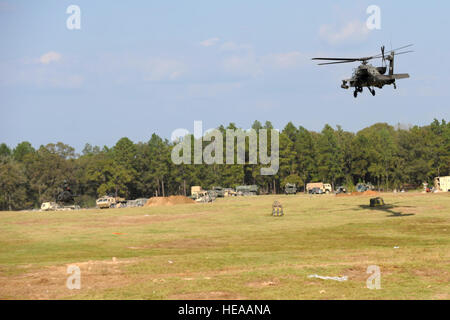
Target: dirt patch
(168,201)
(211,295)
(356,273)
(437,275)
(50,282)
(263,284)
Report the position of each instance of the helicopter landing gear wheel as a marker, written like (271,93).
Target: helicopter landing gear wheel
(355,93)
(372,91)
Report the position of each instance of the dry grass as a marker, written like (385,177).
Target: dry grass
(232,249)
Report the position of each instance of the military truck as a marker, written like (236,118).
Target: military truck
(203,196)
(325,187)
(290,188)
(195,190)
(442,183)
(107,202)
(49,206)
(229,192)
(250,190)
(54,206)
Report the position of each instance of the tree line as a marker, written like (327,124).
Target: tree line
(386,156)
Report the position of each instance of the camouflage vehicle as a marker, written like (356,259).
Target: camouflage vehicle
(212,194)
(49,206)
(377,202)
(53,206)
(104,202)
(203,196)
(219,191)
(325,187)
(442,183)
(361,187)
(250,190)
(107,202)
(341,189)
(195,190)
(137,202)
(290,188)
(229,192)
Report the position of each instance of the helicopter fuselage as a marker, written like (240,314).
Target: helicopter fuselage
(367,75)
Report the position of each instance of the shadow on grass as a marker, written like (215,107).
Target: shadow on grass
(387,208)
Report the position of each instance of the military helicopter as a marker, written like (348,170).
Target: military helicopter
(65,197)
(366,75)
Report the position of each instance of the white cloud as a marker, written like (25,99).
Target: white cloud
(209,42)
(352,31)
(50,56)
(37,72)
(159,69)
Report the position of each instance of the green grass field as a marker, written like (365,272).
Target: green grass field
(232,249)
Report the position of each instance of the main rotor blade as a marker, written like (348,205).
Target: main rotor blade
(338,59)
(346,60)
(409,45)
(321,64)
(390,51)
(396,53)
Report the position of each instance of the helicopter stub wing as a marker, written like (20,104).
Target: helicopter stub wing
(400,76)
(394,76)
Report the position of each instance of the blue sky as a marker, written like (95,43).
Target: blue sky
(138,67)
